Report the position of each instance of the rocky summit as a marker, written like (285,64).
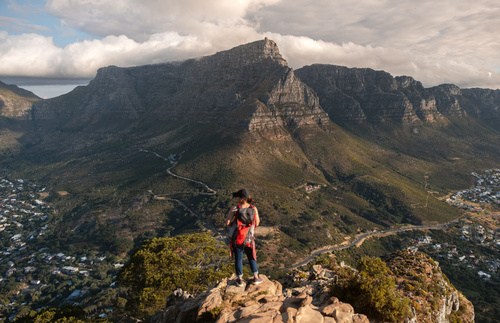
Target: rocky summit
(265,303)
(307,296)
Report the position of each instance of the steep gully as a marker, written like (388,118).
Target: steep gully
(358,240)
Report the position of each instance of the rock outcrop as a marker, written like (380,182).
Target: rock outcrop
(433,297)
(307,297)
(250,86)
(264,303)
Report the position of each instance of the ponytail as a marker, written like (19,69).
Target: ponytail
(250,200)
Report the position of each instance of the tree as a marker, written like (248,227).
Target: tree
(66,314)
(191,262)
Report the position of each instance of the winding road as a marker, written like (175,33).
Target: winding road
(361,237)
(210,190)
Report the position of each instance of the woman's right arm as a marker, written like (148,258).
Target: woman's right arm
(230,216)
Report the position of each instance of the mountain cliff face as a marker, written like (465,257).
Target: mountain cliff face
(356,95)
(14,101)
(250,85)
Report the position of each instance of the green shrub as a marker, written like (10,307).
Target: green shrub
(191,262)
(372,291)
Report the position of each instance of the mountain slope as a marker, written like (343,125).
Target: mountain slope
(449,128)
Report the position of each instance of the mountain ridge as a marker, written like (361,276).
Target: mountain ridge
(352,95)
(356,95)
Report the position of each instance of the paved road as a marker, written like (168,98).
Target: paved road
(210,191)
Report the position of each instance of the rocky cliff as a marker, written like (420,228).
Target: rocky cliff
(250,85)
(308,296)
(357,95)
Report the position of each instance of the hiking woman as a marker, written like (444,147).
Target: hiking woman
(245,218)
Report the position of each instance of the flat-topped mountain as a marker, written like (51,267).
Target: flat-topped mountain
(249,86)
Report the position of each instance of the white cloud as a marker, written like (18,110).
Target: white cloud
(42,58)
(435,42)
(139,19)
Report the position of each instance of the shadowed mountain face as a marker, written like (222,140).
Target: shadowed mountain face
(379,151)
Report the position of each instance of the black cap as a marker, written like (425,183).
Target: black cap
(243,194)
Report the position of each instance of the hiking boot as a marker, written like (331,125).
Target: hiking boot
(257,281)
(239,282)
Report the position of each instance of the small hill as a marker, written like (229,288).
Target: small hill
(15,102)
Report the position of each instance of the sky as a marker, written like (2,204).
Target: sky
(50,46)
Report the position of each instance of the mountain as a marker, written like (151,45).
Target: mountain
(228,88)
(15,102)
(379,151)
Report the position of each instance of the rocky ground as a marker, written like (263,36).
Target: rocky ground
(305,296)
(266,302)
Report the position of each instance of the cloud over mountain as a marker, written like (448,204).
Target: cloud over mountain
(434,42)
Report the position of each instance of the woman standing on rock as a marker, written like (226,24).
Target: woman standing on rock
(244,217)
